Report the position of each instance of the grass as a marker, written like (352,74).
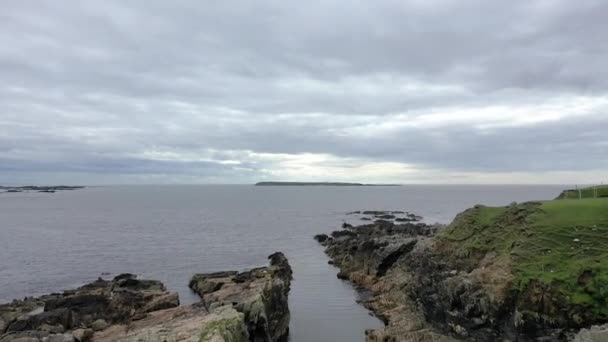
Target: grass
(588,192)
(555,242)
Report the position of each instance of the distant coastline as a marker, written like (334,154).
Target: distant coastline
(28,188)
(318,184)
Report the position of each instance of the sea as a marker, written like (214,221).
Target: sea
(55,241)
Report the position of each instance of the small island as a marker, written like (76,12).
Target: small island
(318,184)
(36,188)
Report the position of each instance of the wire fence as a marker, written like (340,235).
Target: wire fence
(596,191)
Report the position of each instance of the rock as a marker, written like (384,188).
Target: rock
(24,336)
(385,217)
(82,335)
(259,294)
(53,329)
(99,325)
(321,238)
(249,306)
(118,301)
(375,212)
(370,256)
(60,338)
(185,324)
(425,287)
(593,334)
(125,276)
(166,301)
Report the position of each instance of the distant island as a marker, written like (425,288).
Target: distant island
(318,184)
(27,188)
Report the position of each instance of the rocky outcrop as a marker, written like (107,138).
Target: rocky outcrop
(367,256)
(235,307)
(259,294)
(426,288)
(76,314)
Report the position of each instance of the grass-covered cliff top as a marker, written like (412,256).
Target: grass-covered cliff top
(597,191)
(559,242)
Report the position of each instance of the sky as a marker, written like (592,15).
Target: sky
(416,91)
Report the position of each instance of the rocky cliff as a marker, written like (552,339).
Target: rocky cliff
(525,272)
(247,306)
(259,294)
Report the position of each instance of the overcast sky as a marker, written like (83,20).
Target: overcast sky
(115,92)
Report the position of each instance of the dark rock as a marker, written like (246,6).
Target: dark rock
(321,238)
(375,212)
(385,216)
(124,276)
(117,301)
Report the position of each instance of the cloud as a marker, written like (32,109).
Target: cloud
(398,91)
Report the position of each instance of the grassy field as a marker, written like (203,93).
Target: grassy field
(588,192)
(555,242)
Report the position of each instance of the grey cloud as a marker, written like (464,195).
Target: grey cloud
(87,85)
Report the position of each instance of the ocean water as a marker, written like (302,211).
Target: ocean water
(51,242)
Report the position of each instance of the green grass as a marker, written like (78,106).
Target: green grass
(551,241)
(588,192)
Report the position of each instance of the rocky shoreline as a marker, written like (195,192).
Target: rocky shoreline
(235,307)
(425,287)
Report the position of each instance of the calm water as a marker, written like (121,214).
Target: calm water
(50,242)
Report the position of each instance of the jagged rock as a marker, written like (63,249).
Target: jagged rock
(425,288)
(249,306)
(364,255)
(260,294)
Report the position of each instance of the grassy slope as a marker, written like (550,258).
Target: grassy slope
(589,192)
(552,241)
